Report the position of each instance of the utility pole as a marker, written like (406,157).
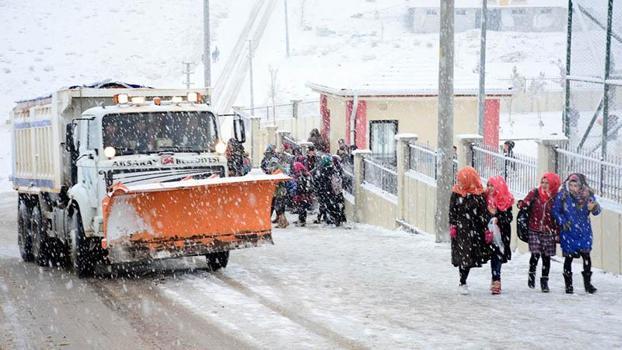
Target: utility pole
(445,120)
(481,96)
(188,72)
(250,69)
(207,51)
(286,28)
(273,74)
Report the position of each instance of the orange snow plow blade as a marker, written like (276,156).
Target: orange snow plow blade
(186,218)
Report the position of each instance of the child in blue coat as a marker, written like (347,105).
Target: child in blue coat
(571,210)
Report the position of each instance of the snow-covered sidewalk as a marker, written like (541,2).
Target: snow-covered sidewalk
(373,288)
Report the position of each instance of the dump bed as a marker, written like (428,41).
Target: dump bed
(40,162)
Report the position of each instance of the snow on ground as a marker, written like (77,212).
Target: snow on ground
(372,288)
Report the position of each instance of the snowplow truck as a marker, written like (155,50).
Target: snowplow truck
(117,173)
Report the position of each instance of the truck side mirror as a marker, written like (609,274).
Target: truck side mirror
(239,130)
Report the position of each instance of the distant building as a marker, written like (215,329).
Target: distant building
(503,15)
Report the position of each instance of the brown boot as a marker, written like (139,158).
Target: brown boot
(282,221)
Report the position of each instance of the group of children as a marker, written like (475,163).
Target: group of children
(480,226)
(316,179)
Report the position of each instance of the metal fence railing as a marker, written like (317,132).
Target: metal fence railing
(424,161)
(604,176)
(289,144)
(299,109)
(519,171)
(348,176)
(380,175)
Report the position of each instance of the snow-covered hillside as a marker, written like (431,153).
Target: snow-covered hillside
(45,45)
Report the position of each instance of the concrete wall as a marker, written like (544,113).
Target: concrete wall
(378,209)
(414,115)
(420,193)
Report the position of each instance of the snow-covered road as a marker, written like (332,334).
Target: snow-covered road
(319,288)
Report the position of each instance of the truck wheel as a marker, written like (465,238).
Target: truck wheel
(217,261)
(24,239)
(81,257)
(40,241)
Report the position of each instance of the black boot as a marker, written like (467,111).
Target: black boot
(544,284)
(587,278)
(568,280)
(531,279)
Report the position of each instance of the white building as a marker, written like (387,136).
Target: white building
(503,15)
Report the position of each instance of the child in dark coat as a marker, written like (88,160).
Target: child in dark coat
(302,194)
(468,218)
(572,208)
(499,201)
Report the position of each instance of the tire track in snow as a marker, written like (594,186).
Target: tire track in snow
(258,320)
(303,321)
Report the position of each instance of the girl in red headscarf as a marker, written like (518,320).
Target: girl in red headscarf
(468,218)
(543,231)
(499,201)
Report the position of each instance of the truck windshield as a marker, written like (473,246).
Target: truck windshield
(132,133)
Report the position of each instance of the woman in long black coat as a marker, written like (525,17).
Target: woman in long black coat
(468,218)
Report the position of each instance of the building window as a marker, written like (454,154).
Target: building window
(382,139)
(461,12)
(431,12)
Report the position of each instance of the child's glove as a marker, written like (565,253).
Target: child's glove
(488,235)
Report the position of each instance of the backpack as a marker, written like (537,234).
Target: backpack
(336,183)
(522,220)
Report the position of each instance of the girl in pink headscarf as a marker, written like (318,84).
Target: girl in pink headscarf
(499,201)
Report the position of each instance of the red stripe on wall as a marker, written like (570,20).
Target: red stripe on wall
(491,123)
(360,124)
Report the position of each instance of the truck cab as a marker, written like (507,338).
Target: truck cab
(141,142)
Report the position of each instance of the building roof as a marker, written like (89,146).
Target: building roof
(461,4)
(402,81)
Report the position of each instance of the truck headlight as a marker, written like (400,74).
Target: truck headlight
(110,152)
(221,147)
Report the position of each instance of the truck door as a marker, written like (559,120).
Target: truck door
(87,161)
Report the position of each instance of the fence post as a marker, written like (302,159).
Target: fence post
(546,153)
(465,152)
(271,136)
(359,155)
(403,157)
(295,114)
(255,141)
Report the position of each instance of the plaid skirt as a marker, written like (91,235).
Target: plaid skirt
(542,243)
